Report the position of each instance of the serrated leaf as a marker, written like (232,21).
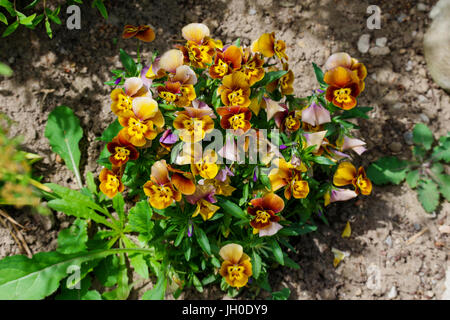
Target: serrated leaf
(422,136)
(444,185)
(140,221)
(442,151)
(158,291)
(107,270)
(412,178)
(118,205)
(64,132)
(387,170)
(74,238)
(31,279)
(428,195)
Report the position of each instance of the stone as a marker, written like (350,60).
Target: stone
(401,17)
(409,66)
(395,146)
(424,118)
(379,51)
(252,11)
(392,294)
(388,241)
(399,106)
(408,136)
(364,43)
(437,45)
(381,42)
(422,7)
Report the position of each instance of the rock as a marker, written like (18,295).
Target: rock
(399,106)
(424,118)
(395,146)
(417,227)
(252,11)
(409,66)
(401,17)
(379,51)
(392,294)
(437,45)
(358,292)
(287,4)
(408,136)
(422,7)
(364,43)
(421,98)
(388,241)
(381,42)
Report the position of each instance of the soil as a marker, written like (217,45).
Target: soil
(71,69)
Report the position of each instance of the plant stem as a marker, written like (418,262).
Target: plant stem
(138,53)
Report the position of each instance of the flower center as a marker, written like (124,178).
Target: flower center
(112,183)
(121,153)
(343,95)
(136,128)
(361,182)
(237,121)
(279,49)
(236,97)
(236,272)
(221,68)
(291,122)
(262,216)
(125,102)
(168,96)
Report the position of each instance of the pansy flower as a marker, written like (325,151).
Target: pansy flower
(342,59)
(110,182)
(187,78)
(171,60)
(236,118)
(121,151)
(268,46)
(153,71)
(343,87)
(286,82)
(143,33)
(315,115)
(289,176)
(235,90)
(169,92)
(226,62)
(354,144)
(252,67)
(144,123)
(204,198)
(236,267)
(199,48)
(346,174)
(168,139)
(338,194)
(264,210)
(122,99)
(206,167)
(288,121)
(163,190)
(193,124)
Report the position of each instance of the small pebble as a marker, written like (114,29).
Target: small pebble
(388,241)
(408,136)
(422,7)
(395,146)
(252,11)
(379,51)
(392,293)
(417,226)
(409,66)
(401,17)
(364,43)
(424,118)
(381,42)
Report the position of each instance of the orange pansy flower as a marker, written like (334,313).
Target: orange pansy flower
(144,33)
(226,62)
(236,267)
(193,124)
(110,183)
(343,87)
(289,175)
(235,90)
(121,151)
(346,174)
(268,46)
(236,118)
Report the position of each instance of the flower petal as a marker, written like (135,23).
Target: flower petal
(195,32)
(132,86)
(342,195)
(144,107)
(231,252)
(272,229)
(344,174)
(315,138)
(171,60)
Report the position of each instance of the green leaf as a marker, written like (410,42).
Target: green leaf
(422,136)
(5,70)
(281,295)
(428,195)
(256,264)
(202,239)
(180,237)
(444,185)
(276,250)
(11,28)
(412,178)
(291,263)
(101,7)
(319,75)
(159,290)
(92,186)
(270,77)
(387,170)
(27,21)
(31,279)
(118,205)
(197,284)
(32,4)
(237,43)
(139,264)
(442,151)
(140,221)
(128,62)
(359,112)
(110,132)
(3,18)
(323,160)
(107,270)
(74,238)
(64,132)
(232,208)
(55,19)
(48,28)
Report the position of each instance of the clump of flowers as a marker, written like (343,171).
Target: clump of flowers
(212,137)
